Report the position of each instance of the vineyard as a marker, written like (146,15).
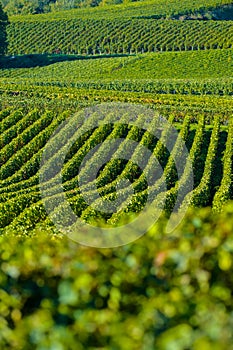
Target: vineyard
(23,136)
(95,36)
(176,82)
(155,9)
(116,123)
(120,29)
(209,64)
(198,73)
(192,89)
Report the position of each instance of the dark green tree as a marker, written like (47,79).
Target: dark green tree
(3,35)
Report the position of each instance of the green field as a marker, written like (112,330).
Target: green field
(117,72)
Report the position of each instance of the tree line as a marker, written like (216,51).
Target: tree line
(3,35)
(14,7)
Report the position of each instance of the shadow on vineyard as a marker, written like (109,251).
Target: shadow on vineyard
(42,60)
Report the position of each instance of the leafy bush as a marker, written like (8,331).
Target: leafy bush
(161,292)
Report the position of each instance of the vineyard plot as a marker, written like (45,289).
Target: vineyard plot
(19,185)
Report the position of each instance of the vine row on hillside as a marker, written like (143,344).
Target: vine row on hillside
(22,203)
(90,37)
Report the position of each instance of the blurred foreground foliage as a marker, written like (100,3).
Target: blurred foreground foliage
(164,291)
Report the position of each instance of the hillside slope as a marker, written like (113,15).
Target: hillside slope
(149,8)
(95,36)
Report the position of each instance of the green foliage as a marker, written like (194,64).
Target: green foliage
(201,195)
(132,78)
(3,34)
(198,73)
(22,147)
(147,68)
(128,8)
(165,291)
(95,35)
(161,292)
(225,190)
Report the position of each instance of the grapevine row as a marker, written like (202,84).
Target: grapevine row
(225,190)
(201,195)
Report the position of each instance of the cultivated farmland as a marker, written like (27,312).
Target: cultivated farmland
(140,95)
